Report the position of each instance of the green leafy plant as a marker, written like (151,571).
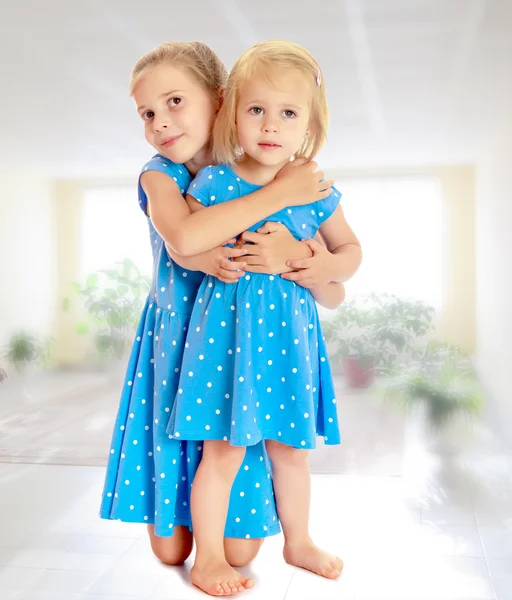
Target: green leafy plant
(442,381)
(25,348)
(113,299)
(381,330)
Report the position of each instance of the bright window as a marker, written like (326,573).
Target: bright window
(400,224)
(398,220)
(113,228)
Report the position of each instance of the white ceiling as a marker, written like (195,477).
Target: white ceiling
(410,82)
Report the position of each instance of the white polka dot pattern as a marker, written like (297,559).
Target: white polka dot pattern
(150,472)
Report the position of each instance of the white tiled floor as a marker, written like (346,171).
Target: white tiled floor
(394,544)
(69,417)
(439,531)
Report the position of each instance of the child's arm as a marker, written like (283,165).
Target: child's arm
(330,295)
(214,262)
(273,246)
(273,241)
(189,233)
(269,248)
(345,248)
(338,260)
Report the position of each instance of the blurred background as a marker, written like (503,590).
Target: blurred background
(420,145)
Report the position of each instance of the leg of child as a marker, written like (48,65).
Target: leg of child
(173,550)
(241,552)
(209,505)
(292,486)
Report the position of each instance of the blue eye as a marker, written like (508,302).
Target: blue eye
(256,110)
(290,114)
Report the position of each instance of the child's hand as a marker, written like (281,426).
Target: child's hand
(312,272)
(214,262)
(269,248)
(301,183)
(219,265)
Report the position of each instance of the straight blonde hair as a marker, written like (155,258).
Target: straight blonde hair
(264,59)
(197,58)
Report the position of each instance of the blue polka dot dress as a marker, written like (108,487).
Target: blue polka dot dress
(149,473)
(255,366)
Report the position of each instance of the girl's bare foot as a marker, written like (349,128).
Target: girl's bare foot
(218,578)
(309,557)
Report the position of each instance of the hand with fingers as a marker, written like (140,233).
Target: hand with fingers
(269,248)
(221,262)
(311,272)
(302,183)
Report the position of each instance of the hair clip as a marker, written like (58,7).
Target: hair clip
(318,78)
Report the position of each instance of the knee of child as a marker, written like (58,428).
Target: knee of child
(240,553)
(223,456)
(172,557)
(288,456)
(172,550)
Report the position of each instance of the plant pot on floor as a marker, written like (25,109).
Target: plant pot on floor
(358,373)
(448,440)
(25,352)
(442,388)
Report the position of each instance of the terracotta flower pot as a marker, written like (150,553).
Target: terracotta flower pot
(357,373)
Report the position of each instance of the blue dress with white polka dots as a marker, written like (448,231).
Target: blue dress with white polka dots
(255,365)
(149,473)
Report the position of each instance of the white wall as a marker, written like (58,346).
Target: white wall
(494,275)
(27,255)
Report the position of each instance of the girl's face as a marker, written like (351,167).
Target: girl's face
(271,121)
(178,113)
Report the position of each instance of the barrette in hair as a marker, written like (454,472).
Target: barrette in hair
(318,78)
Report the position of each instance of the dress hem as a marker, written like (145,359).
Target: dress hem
(192,436)
(186,522)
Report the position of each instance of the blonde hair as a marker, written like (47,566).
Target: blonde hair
(197,58)
(263,59)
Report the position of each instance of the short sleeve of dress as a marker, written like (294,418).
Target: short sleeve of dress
(326,207)
(159,163)
(202,186)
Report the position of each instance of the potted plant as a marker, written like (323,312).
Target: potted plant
(373,333)
(113,299)
(443,389)
(25,350)
(358,357)
(400,326)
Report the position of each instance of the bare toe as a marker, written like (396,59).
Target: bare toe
(216,590)
(247,583)
(309,557)
(331,574)
(225,588)
(216,578)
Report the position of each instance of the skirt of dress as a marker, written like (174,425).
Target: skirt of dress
(149,473)
(255,367)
